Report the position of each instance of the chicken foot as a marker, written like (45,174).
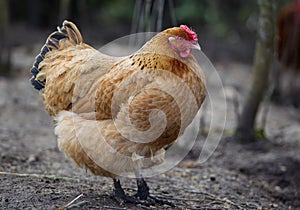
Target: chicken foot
(142,196)
(120,195)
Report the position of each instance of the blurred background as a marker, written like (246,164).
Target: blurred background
(226,30)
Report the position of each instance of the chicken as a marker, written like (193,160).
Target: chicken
(289,53)
(117,115)
(289,35)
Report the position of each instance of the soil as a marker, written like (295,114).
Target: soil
(34,174)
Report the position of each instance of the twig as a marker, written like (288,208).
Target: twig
(223,200)
(203,193)
(212,203)
(77,204)
(172,198)
(70,203)
(38,176)
(113,207)
(179,199)
(231,203)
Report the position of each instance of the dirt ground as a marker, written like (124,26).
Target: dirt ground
(34,174)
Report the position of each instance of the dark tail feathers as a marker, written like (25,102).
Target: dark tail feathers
(69,31)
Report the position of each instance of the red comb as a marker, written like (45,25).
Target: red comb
(192,34)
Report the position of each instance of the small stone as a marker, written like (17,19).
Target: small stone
(274,205)
(212,177)
(204,177)
(283,168)
(277,188)
(31,158)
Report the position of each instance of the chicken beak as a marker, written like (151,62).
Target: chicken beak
(195,46)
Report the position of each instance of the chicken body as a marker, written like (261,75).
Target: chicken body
(105,108)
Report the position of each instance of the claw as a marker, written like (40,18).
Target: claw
(161,201)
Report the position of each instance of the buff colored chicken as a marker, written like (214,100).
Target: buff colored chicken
(116,115)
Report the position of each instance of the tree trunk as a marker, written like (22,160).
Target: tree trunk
(263,57)
(5,53)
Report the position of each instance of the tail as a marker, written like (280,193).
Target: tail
(67,31)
